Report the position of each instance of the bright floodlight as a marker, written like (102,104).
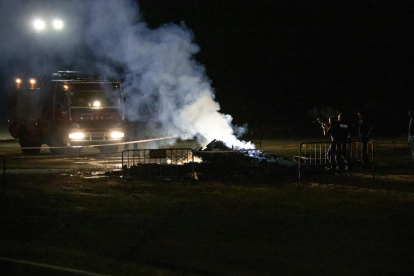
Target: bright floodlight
(97,103)
(32,81)
(57,24)
(18,80)
(39,24)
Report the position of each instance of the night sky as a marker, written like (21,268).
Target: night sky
(272,62)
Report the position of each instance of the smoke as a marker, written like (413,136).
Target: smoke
(167,91)
(161,76)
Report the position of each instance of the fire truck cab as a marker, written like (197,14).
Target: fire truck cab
(69,109)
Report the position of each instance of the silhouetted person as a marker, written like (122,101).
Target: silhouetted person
(344,134)
(411,133)
(339,131)
(364,135)
(332,129)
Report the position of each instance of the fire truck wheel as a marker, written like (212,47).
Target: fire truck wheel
(56,151)
(30,151)
(108,149)
(54,141)
(74,150)
(26,144)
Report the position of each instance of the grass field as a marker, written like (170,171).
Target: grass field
(326,225)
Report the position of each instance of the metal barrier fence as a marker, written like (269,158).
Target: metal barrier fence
(244,151)
(3,177)
(158,163)
(316,154)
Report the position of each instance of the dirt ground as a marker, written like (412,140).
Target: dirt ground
(67,213)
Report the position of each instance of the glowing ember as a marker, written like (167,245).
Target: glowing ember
(185,160)
(197,159)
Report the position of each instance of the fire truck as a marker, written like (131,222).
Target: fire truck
(67,111)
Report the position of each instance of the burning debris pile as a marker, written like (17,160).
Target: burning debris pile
(216,161)
(222,162)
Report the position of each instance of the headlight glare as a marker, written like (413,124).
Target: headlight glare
(39,24)
(76,135)
(117,135)
(57,24)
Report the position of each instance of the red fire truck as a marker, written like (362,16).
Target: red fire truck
(68,109)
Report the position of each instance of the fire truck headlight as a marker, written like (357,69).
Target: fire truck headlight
(76,135)
(39,25)
(96,103)
(117,135)
(57,24)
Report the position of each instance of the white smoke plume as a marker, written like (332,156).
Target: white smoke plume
(165,86)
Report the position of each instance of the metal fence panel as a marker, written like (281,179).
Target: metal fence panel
(158,163)
(316,154)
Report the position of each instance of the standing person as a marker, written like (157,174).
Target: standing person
(411,133)
(332,129)
(364,135)
(344,134)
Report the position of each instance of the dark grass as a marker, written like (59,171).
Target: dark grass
(159,228)
(329,224)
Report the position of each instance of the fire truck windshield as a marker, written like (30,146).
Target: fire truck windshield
(94,95)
